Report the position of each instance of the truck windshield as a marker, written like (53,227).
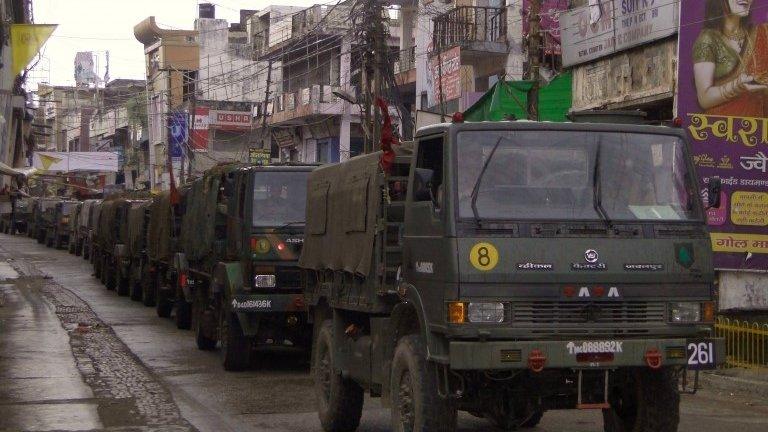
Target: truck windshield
(547,175)
(279,198)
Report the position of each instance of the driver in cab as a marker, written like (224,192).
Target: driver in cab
(274,206)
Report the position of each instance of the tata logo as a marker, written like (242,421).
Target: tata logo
(591,256)
(591,292)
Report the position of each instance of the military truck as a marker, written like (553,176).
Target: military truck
(42,217)
(235,273)
(510,268)
(162,243)
(92,229)
(103,239)
(20,220)
(136,249)
(80,230)
(112,245)
(74,221)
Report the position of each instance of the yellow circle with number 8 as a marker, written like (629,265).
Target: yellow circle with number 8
(484,256)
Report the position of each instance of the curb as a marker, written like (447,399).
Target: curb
(715,381)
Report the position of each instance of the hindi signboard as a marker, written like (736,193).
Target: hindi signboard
(722,101)
(258,156)
(230,120)
(445,69)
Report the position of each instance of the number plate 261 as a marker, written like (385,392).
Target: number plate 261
(701,354)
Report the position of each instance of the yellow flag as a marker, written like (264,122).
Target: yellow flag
(26,41)
(47,160)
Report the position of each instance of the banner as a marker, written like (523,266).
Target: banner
(177,133)
(26,41)
(727,120)
(75,161)
(200,124)
(230,120)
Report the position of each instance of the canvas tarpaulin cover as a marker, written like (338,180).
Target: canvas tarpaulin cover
(136,222)
(198,224)
(343,206)
(509,99)
(159,228)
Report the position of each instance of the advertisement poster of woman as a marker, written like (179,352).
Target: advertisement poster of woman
(723,101)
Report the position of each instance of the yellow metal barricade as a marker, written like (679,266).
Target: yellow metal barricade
(746,343)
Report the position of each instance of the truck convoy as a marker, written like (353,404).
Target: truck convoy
(503,269)
(510,268)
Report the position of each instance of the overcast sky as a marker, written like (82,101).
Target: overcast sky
(107,25)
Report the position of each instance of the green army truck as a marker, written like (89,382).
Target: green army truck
(510,268)
(103,240)
(113,246)
(18,221)
(78,241)
(136,248)
(162,243)
(74,220)
(89,245)
(236,273)
(42,215)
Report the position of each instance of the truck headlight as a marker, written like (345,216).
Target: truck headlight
(264,281)
(690,312)
(485,312)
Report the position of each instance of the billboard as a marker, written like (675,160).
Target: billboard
(200,122)
(230,120)
(604,27)
(723,78)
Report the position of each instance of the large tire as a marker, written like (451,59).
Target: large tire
(97,269)
(135,288)
(416,404)
(163,304)
(649,402)
(183,314)
(205,328)
(122,284)
(110,276)
(235,346)
(148,289)
(339,400)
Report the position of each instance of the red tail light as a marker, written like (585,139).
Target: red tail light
(536,360)
(653,358)
(182,279)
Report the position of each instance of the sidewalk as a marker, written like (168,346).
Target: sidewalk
(737,381)
(40,385)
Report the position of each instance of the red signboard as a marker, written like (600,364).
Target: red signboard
(230,120)
(446,74)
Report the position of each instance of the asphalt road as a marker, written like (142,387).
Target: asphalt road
(277,394)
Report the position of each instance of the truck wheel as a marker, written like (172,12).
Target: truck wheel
(416,404)
(235,346)
(147,289)
(650,403)
(340,400)
(57,242)
(533,420)
(122,284)
(104,271)
(183,314)
(205,329)
(135,288)
(78,248)
(110,278)
(97,269)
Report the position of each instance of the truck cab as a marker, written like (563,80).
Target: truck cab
(536,266)
(241,276)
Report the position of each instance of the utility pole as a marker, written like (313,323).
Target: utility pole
(267,93)
(534,61)
(379,46)
(373,64)
(190,133)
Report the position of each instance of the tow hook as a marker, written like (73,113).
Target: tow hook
(653,358)
(536,360)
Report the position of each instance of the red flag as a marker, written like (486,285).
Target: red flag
(175,198)
(387,138)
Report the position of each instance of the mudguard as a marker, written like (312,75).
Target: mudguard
(227,279)
(181,266)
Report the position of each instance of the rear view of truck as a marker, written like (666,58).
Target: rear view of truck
(506,269)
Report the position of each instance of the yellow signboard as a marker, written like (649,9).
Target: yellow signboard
(729,242)
(749,208)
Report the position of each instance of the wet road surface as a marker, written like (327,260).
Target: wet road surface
(276,395)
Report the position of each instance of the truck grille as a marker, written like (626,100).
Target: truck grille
(555,319)
(554,312)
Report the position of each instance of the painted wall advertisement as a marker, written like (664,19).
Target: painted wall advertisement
(200,124)
(723,101)
(177,133)
(604,27)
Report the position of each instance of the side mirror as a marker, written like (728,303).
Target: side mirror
(714,187)
(422,177)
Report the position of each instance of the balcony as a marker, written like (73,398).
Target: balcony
(293,108)
(473,28)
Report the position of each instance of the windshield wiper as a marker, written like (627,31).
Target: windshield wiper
(287,224)
(476,188)
(597,188)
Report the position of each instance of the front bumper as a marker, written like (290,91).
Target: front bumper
(500,355)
